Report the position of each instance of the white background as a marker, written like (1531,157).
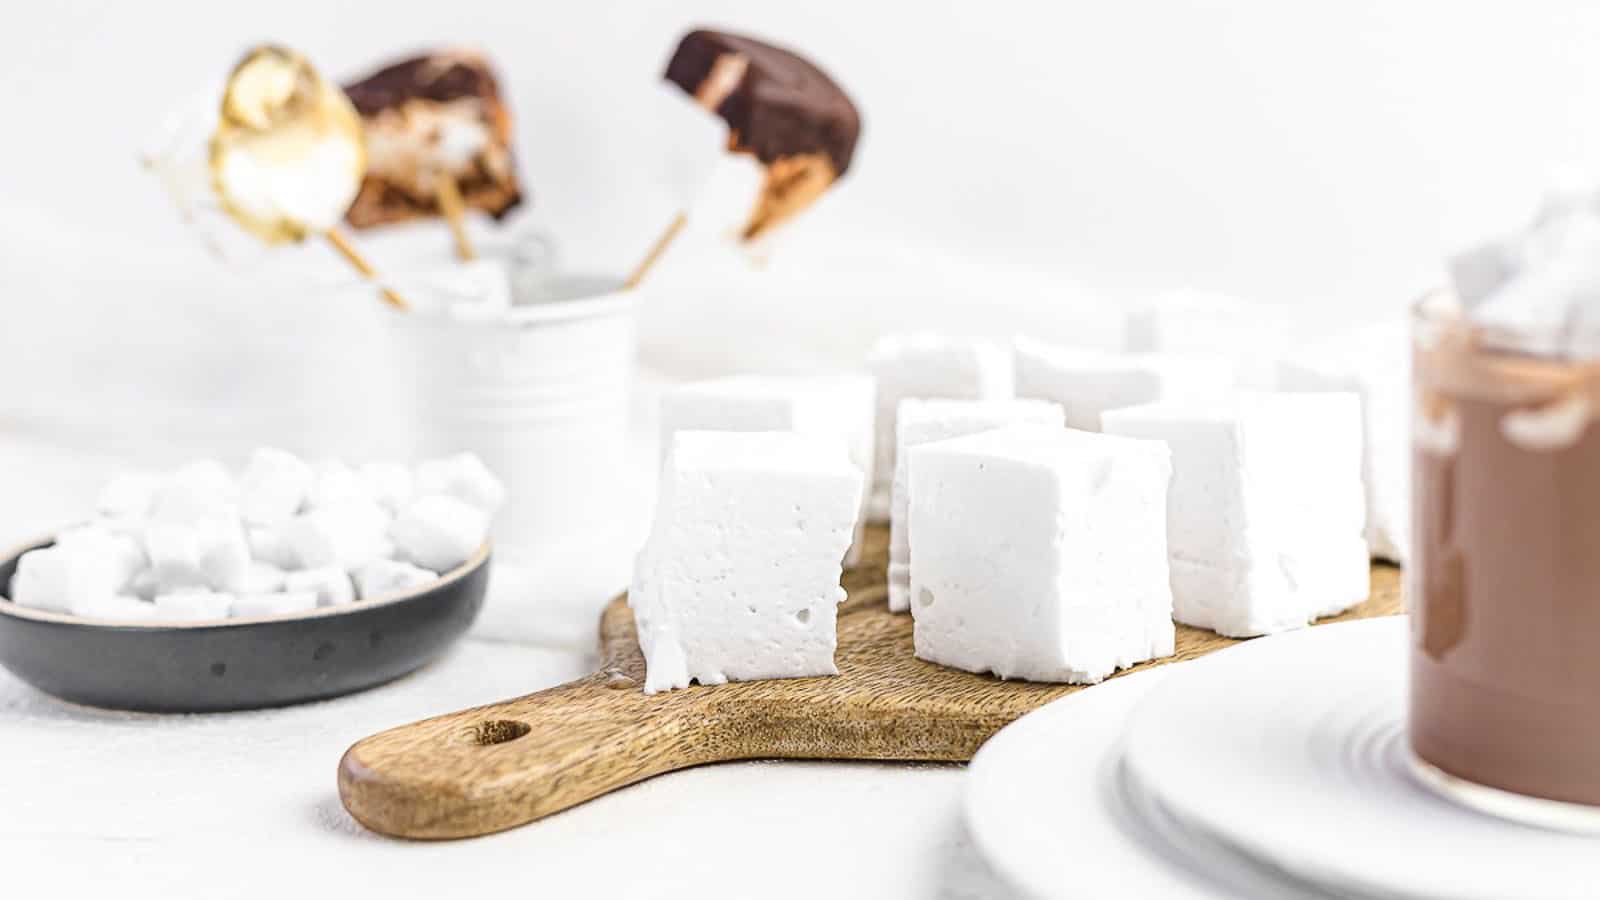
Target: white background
(1025,166)
(1305,152)
(1022,163)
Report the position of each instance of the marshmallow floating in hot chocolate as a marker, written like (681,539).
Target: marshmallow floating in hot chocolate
(1538,290)
(434,124)
(780,108)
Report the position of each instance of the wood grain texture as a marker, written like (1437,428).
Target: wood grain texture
(499,766)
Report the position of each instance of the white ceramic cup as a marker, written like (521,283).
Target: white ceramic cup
(540,392)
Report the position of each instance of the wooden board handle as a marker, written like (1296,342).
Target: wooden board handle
(499,766)
(495,767)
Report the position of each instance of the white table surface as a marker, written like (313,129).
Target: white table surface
(244,805)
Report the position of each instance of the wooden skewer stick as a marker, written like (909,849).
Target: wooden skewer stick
(455,212)
(354,257)
(660,247)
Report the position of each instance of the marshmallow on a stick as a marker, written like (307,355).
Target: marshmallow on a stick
(287,156)
(434,124)
(780,108)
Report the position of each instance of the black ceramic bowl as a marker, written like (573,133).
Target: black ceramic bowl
(238,663)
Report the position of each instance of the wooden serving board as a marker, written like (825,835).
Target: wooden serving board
(499,766)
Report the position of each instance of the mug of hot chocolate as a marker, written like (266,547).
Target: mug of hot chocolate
(1504,584)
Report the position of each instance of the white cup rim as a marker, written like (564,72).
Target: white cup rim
(616,302)
(614,299)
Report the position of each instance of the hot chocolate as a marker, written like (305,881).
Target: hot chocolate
(1505,581)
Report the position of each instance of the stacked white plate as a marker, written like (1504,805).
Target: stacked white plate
(1278,768)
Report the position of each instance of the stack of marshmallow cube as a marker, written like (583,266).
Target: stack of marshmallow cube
(286,536)
(924,421)
(836,407)
(1052,510)
(927,366)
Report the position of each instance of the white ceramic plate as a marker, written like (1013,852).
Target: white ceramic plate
(1292,749)
(1047,807)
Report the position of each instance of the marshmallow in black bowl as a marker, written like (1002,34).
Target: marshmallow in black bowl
(281,536)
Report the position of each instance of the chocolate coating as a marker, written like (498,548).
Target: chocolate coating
(782,105)
(405,108)
(431,77)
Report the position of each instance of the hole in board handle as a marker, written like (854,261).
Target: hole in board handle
(496,731)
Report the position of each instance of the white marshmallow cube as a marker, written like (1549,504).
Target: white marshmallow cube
(740,576)
(334,483)
(273,487)
(174,552)
(1184,320)
(1089,382)
(124,552)
(927,366)
(118,608)
(1266,510)
(1040,553)
(199,490)
(1375,363)
(224,554)
(125,526)
(440,532)
(193,606)
(144,585)
(390,484)
(208,553)
(464,477)
(924,421)
(261,578)
(1546,305)
(65,579)
(382,577)
(128,496)
(1479,271)
(269,544)
(1205,323)
(275,603)
(347,535)
(837,406)
(330,584)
